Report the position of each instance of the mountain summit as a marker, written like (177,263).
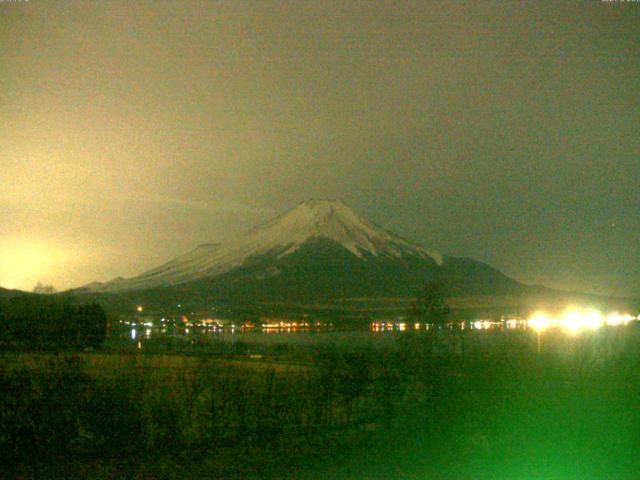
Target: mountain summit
(311,221)
(334,221)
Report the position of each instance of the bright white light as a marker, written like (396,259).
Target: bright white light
(575,320)
(540,321)
(616,319)
(571,321)
(593,320)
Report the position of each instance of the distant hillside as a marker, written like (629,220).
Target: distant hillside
(6,293)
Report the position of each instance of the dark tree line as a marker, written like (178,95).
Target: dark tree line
(41,323)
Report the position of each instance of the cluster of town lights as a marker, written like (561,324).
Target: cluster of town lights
(572,320)
(576,320)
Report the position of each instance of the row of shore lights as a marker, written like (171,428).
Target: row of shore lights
(576,320)
(572,320)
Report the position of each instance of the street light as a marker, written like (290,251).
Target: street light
(540,322)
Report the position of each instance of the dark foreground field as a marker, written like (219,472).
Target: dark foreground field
(417,409)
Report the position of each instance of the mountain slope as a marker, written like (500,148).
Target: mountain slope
(6,293)
(279,238)
(321,250)
(322,270)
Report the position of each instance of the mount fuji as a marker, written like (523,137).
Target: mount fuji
(320,250)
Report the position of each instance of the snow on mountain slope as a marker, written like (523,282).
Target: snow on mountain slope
(313,219)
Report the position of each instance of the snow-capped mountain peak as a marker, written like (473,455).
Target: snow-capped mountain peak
(332,220)
(313,219)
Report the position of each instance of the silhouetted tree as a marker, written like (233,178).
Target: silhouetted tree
(43,289)
(36,322)
(431,306)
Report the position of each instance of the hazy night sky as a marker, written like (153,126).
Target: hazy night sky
(508,132)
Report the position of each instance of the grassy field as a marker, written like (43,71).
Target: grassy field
(416,409)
